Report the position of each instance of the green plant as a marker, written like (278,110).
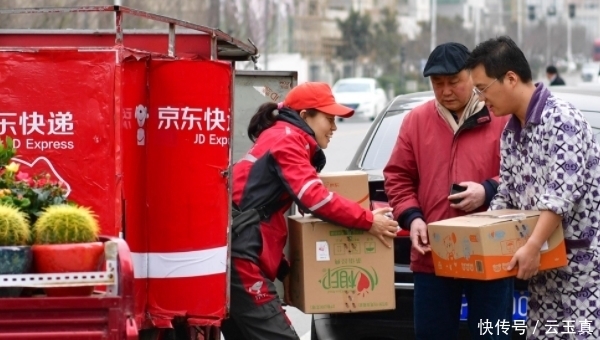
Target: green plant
(64,223)
(7,152)
(30,194)
(14,227)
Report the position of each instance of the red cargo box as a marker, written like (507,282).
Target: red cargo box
(142,135)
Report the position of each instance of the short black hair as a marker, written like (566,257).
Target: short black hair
(551,69)
(498,56)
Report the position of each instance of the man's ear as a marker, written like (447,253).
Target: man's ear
(511,77)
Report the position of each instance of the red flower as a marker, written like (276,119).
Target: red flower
(41,182)
(24,177)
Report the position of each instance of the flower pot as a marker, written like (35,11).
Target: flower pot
(14,260)
(62,258)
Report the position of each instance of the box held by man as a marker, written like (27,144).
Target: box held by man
(480,246)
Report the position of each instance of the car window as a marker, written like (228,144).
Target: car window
(384,138)
(593,118)
(383,141)
(352,87)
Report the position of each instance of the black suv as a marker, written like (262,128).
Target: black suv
(371,156)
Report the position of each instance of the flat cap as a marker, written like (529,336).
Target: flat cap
(446,59)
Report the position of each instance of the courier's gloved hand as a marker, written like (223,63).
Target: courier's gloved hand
(383,226)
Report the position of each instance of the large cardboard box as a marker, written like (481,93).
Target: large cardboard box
(353,185)
(480,246)
(338,270)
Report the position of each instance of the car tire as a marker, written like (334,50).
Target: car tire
(313,329)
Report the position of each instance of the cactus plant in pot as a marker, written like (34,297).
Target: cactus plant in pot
(15,252)
(65,240)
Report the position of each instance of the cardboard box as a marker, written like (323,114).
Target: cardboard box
(480,246)
(338,270)
(353,185)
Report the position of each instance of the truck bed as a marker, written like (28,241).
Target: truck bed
(106,314)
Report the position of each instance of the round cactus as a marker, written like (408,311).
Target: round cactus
(61,224)
(14,227)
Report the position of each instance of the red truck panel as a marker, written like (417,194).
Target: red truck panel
(188,156)
(59,108)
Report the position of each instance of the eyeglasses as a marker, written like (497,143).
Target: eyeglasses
(480,93)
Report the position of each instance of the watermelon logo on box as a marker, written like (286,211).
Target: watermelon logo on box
(349,277)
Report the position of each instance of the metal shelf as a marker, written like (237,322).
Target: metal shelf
(108,278)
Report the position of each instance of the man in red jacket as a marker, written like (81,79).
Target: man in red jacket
(452,140)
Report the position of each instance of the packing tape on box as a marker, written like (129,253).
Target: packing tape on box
(512,217)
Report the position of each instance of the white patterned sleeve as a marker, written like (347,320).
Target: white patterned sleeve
(502,198)
(567,140)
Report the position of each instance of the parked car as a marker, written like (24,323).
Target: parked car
(371,156)
(362,94)
(590,73)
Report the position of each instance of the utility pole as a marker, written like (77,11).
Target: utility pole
(117,3)
(520,23)
(550,12)
(548,62)
(433,24)
(266,23)
(223,17)
(477,19)
(569,38)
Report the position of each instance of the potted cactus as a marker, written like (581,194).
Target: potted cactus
(15,252)
(65,240)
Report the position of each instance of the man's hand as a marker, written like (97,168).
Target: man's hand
(472,198)
(383,226)
(418,236)
(527,260)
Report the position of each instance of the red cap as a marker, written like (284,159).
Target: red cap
(314,95)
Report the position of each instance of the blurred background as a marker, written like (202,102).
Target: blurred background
(327,40)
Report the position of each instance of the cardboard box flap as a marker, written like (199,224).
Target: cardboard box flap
(347,173)
(507,214)
(307,218)
(352,185)
(486,218)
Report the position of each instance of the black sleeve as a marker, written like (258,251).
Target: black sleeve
(409,215)
(491,187)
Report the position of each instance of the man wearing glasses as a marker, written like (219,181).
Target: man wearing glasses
(550,163)
(450,142)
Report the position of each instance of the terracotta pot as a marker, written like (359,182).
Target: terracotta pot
(61,258)
(14,260)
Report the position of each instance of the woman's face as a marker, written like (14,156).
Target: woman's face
(322,124)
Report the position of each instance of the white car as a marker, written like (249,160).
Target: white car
(362,94)
(590,72)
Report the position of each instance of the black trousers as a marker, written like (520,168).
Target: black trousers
(255,311)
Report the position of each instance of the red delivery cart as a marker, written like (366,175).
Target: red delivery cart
(138,125)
